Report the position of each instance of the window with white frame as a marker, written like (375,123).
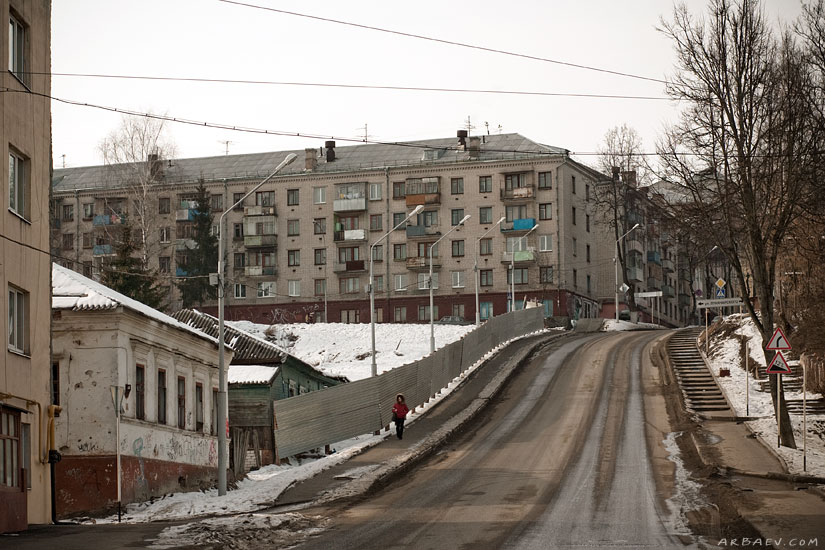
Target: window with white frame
(400,282)
(457,279)
(545,243)
(319,195)
(375,191)
(266,289)
(165,234)
(240,290)
(18,183)
(17,45)
(18,306)
(294,287)
(423,281)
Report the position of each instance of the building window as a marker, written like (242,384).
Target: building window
(378,253)
(319,195)
(485,247)
(545,274)
(266,289)
(545,243)
(265,198)
(518,212)
(292,197)
(68,212)
(348,285)
(293,228)
(378,283)
(485,184)
(428,218)
(589,289)
(515,181)
(424,250)
(587,192)
(545,180)
(424,313)
(485,277)
(575,278)
(401,282)
(237,229)
(199,407)
(18,320)
(457,186)
(573,184)
(587,252)
(294,287)
(164,264)
(55,385)
(456,215)
(18,184)
(376,222)
(398,219)
(375,192)
(399,251)
(574,215)
(400,314)
(239,259)
(161,397)
(293,258)
(520,274)
(458,249)
(17,45)
(424,281)
(575,247)
(164,205)
(181,402)
(458,310)
(9,448)
(320,287)
(398,190)
(165,234)
(88,210)
(68,241)
(87,240)
(545,211)
(320,256)
(485,214)
(140,392)
(587,222)
(485,310)
(457,278)
(240,291)
(237,200)
(349,316)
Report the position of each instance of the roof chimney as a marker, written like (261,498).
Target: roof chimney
(462,138)
(155,167)
(629,178)
(311,161)
(475,147)
(330,145)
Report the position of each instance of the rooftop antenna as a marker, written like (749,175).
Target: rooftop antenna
(367,136)
(468,124)
(63,156)
(500,128)
(487,125)
(226,143)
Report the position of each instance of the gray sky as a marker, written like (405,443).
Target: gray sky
(215,40)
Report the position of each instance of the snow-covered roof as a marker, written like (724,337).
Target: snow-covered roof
(251,374)
(71,290)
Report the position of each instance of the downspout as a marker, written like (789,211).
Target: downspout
(558,229)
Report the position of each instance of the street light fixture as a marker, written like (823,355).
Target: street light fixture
(616,262)
(475,267)
(430,281)
(415,211)
(513,267)
(222,423)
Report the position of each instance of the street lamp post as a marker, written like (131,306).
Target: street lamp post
(513,269)
(475,267)
(430,280)
(222,423)
(616,263)
(415,211)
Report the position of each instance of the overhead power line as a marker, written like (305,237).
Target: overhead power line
(443,41)
(353,86)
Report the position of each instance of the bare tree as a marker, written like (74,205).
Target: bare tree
(743,148)
(134,153)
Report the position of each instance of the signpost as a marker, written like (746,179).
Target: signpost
(717,303)
(652,294)
(779,366)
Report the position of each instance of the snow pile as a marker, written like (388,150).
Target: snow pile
(725,353)
(612,325)
(340,349)
(687,494)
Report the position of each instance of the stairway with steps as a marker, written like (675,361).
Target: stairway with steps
(701,392)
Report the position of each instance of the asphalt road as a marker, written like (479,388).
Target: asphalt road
(558,461)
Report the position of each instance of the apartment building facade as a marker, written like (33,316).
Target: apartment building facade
(300,247)
(25,135)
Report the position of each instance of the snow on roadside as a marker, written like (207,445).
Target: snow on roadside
(726,354)
(612,325)
(687,493)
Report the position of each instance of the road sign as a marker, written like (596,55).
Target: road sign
(724,302)
(720,292)
(651,294)
(624,288)
(778,365)
(698,292)
(720,283)
(778,341)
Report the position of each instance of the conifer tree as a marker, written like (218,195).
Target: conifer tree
(126,273)
(203,258)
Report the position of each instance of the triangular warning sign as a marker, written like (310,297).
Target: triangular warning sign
(778,341)
(778,365)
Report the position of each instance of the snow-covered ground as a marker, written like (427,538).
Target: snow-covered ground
(612,325)
(750,401)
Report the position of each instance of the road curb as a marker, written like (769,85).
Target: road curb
(403,462)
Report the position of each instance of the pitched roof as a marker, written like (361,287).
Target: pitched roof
(371,156)
(251,374)
(71,290)
(247,346)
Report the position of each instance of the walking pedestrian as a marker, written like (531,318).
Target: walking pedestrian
(399,414)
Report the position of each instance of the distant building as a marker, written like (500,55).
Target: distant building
(168,425)
(25,136)
(299,247)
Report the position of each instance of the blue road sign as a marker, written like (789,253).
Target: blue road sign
(720,292)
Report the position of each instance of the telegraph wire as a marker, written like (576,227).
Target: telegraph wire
(448,42)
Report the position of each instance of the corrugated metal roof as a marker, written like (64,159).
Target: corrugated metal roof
(347,158)
(247,347)
(251,374)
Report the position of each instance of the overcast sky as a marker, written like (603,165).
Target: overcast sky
(216,40)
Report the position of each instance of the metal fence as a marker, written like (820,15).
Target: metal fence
(312,420)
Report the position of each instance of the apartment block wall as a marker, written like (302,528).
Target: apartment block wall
(25,136)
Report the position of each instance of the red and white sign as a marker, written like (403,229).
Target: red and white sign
(778,365)
(778,341)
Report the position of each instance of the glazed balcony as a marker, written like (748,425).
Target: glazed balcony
(634,245)
(667,265)
(635,274)
(654,283)
(351,197)
(186,212)
(654,256)
(255,241)
(668,291)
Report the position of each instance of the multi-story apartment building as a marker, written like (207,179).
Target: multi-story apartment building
(25,135)
(299,247)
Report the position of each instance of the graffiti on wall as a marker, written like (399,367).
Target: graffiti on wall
(170,445)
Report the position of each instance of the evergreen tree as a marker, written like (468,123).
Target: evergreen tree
(126,273)
(203,258)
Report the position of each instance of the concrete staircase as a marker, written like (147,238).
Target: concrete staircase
(699,388)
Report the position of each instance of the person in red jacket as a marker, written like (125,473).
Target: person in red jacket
(399,414)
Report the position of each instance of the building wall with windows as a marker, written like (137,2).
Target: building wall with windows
(25,138)
(307,235)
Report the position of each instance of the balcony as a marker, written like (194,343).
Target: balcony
(181,272)
(102,250)
(351,197)
(350,235)
(186,212)
(685,300)
(634,245)
(523,224)
(423,198)
(414,231)
(667,265)
(422,262)
(654,283)
(668,291)
(684,275)
(633,218)
(260,271)
(517,193)
(185,244)
(654,256)
(635,274)
(352,266)
(108,219)
(520,256)
(259,211)
(254,241)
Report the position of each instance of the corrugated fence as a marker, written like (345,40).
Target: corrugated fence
(312,420)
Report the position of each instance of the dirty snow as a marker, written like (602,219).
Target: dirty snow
(687,493)
(612,325)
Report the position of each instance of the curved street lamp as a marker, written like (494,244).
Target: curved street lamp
(430,281)
(616,261)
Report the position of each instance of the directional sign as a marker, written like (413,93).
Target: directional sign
(778,341)
(720,283)
(726,302)
(720,292)
(778,365)
(651,294)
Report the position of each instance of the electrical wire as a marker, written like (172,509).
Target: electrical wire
(448,42)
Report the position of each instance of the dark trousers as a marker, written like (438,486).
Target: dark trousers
(399,427)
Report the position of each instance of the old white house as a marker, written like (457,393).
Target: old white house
(169,377)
